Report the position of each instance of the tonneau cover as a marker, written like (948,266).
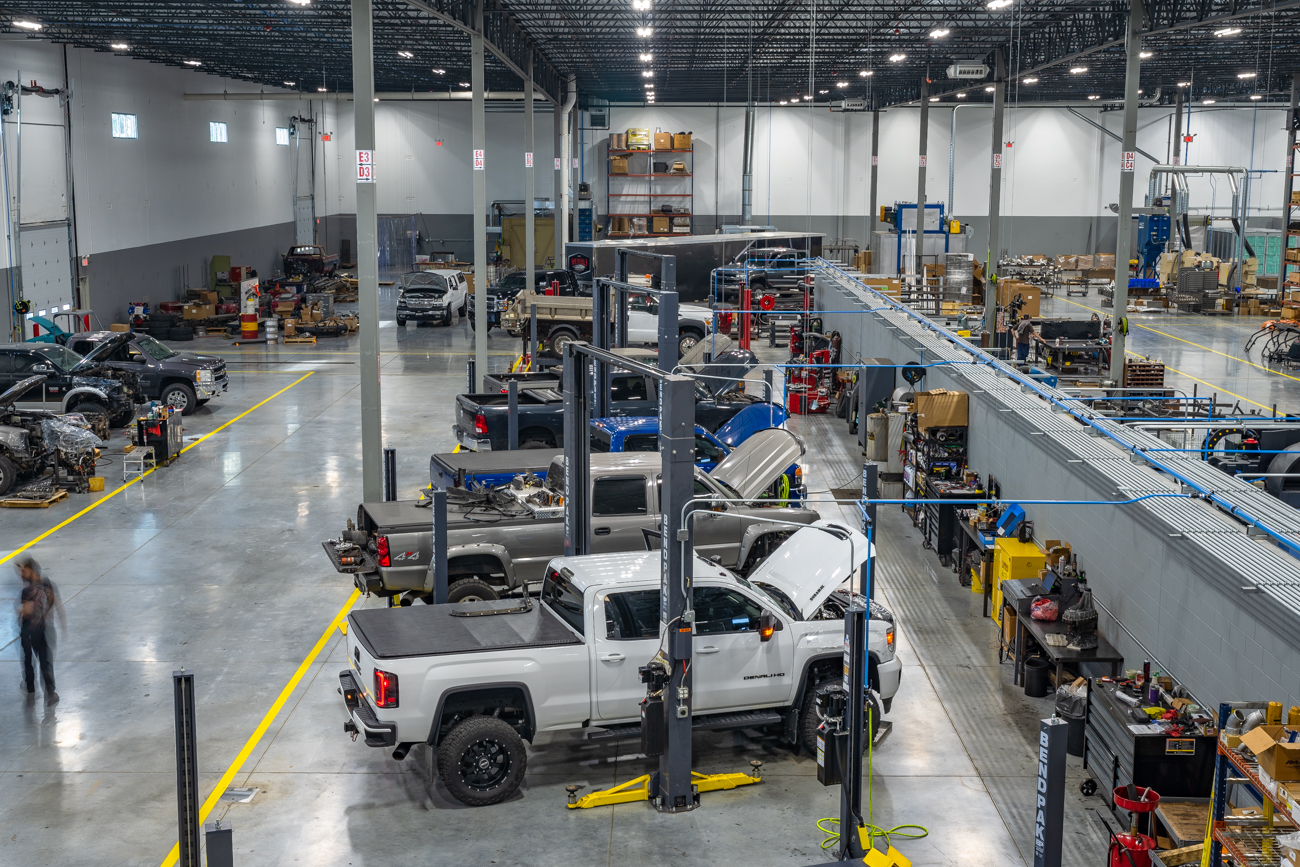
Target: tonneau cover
(522,460)
(399,513)
(431,630)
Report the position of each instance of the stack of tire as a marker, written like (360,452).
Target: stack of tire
(163,326)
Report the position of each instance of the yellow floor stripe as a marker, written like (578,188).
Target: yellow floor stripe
(118,490)
(1194,343)
(215,796)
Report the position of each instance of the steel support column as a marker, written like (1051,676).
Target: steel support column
(1127,159)
(479,123)
(1288,179)
(575,380)
(363,108)
(995,201)
(530,186)
(557,147)
(920,178)
(671,785)
(873,208)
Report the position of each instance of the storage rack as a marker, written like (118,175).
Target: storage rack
(1245,845)
(1291,258)
(645,201)
(930,460)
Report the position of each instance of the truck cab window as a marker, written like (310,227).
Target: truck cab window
(718,610)
(600,442)
(625,496)
(706,451)
(559,594)
(628,388)
(641,443)
(632,615)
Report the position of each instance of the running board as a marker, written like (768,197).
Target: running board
(709,722)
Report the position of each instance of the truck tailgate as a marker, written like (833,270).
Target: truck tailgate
(434,630)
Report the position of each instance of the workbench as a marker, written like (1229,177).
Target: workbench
(983,542)
(1017,596)
(939,531)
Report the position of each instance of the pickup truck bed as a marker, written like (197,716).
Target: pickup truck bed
(467,627)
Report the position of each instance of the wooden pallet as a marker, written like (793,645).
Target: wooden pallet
(23,503)
(307,338)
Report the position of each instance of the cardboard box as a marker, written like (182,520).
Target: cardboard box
(618,225)
(618,141)
(660,224)
(638,138)
(1030,294)
(119,327)
(1104,261)
(638,225)
(663,141)
(941,408)
(1067,263)
(1281,761)
(198,311)
(618,165)
(889,285)
(1082,263)
(681,141)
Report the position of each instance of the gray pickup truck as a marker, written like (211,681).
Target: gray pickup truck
(500,540)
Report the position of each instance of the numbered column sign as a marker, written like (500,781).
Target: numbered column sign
(365,167)
(478,160)
(922,164)
(528,159)
(1126,164)
(997,161)
(875,160)
(557,164)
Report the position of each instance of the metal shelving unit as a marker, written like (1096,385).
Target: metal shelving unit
(643,202)
(1245,845)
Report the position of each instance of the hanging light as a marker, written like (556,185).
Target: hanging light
(641,5)
(120,46)
(1255,96)
(1029,80)
(939,33)
(27,25)
(645,32)
(1227,31)
(1078,70)
(1093,96)
(1146,55)
(1207,102)
(438,71)
(961,96)
(289,84)
(193,63)
(897,58)
(1245,75)
(646,58)
(406,54)
(999,4)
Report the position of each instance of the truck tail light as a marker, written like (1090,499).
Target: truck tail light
(385,689)
(480,424)
(381,549)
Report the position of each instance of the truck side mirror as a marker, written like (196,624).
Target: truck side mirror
(768,625)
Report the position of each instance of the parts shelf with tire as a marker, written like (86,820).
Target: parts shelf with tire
(568,660)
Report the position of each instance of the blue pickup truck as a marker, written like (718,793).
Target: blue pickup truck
(469,469)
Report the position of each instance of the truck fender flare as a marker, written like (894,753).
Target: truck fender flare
(483,550)
(530,725)
(70,398)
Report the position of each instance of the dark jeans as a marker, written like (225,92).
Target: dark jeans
(33,641)
(1022,351)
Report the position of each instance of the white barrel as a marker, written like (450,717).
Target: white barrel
(895,443)
(878,437)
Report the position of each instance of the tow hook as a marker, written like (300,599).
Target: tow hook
(350,727)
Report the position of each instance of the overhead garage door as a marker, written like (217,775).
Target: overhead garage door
(47,272)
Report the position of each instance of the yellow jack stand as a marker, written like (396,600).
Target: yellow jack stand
(639,789)
(892,858)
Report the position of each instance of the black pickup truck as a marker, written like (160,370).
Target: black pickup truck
(482,424)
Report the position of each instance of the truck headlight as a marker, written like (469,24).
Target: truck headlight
(203,376)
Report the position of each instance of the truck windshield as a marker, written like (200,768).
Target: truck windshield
(555,476)
(61,356)
(158,351)
(559,595)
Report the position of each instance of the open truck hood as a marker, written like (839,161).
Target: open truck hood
(13,394)
(813,563)
(726,372)
(749,421)
(757,462)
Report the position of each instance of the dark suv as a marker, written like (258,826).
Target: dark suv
(183,380)
(72,383)
(501,293)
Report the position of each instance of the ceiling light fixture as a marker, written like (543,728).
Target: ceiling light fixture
(646,58)
(464,84)
(1093,96)
(646,73)
(300,2)
(783,102)
(289,84)
(120,46)
(641,5)
(1245,75)
(1146,55)
(321,89)
(1184,84)
(1207,102)
(194,63)
(961,96)
(867,73)
(1029,80)
(934,99)
(938,33)
(27,25)
(999,4)
(841,84)
(1227,31)
(1256,96)
(897,58)
(1078,70)
(809,96)
(406,54)
(989,89)
(438,71)
(644,32)
(823,91)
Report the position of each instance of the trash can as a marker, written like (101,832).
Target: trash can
(1072,707)
(1073,734)
(1036,679)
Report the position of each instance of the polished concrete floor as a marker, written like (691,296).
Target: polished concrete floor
(214,565)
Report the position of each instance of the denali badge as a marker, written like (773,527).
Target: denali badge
(761,676)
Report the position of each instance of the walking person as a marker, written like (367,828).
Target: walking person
(1024,330)
(37,604)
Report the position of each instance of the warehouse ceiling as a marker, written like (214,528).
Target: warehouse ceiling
(711,50)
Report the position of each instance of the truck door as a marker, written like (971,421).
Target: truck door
(618,514)
(626,639)
(734,667)
(630,395)
(642,319)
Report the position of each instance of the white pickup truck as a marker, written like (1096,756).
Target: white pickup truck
(475,680)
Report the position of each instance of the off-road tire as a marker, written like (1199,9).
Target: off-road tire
(8,475)
(180,396)
(535,444)
(809,719)
(482,761)
(471,590)
(687,340)
(401,322)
